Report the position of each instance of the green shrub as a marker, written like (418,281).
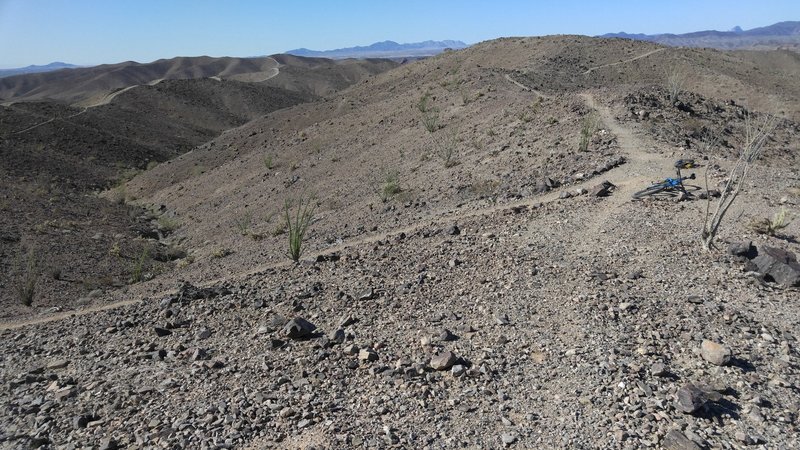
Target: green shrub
(391,186)
(298,215)
(779,221)
(243,223)
(422,104)
(447,149)
(430,120)
(587,131)
(28,276)
(139,266)
(168,224)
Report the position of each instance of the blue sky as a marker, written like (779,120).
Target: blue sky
(107,31)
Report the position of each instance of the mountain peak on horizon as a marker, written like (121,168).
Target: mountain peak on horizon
(778,35)
(383,49)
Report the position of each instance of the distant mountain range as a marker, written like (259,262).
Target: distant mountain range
(385,49)
(780,35)
(36,69)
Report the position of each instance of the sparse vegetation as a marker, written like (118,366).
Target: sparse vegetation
(779,221)
(430,119)
(298,215)
(422,104)
(390,186)
(588,129)
(244,223)
(756,134)
(447,150)
(115,250)
(168,224)
(268,163)
(221,253)
(140,265)
(675,80)
(27,277)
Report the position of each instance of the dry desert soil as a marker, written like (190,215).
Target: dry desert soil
(464,283)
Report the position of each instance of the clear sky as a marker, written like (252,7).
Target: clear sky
(89,32)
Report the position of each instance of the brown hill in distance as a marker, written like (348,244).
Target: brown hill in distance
(91,83)
(56,157)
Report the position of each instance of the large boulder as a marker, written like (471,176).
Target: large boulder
(778,265)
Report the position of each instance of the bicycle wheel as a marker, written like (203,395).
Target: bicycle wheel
(654,189)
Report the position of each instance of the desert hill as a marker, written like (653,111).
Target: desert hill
(91,83)
(56,158)
(464,282)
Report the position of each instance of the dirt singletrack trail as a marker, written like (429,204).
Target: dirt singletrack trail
(643,55)
(48,121)
(640,166)
(526,88)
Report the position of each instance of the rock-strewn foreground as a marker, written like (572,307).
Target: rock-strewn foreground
(556,343)
(552,318)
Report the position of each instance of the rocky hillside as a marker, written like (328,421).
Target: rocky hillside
(468,280)
(57,158)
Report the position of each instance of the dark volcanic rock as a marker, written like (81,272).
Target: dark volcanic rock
(690,399)
(298,328)
(778,265)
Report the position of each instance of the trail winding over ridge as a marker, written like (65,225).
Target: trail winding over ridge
(643,55)
(628,177)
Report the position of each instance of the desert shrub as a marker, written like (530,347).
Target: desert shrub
(779,221)
(430,119)
(221,253)
(674,82)
(422,104)
(244,222)
(756,134)
(298,215)
(268,163)
(588,128)
(390,186)
(140,265)
(168,224)
(27,277)
(447,150)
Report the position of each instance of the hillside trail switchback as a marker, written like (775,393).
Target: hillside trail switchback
(640,166)
(643,55)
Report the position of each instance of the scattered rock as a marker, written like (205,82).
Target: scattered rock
(675,440)
(336,337)
(779,266)
(443,361)
(715,353)
(298,328)
(204,333)
(367,294)
(367,354)
(690,398)
(743,249)
(161,332)
(57,364)
(453,230)
(658,370)
(603,189)
(508,438)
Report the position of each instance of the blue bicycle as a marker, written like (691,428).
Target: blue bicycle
(670,186)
